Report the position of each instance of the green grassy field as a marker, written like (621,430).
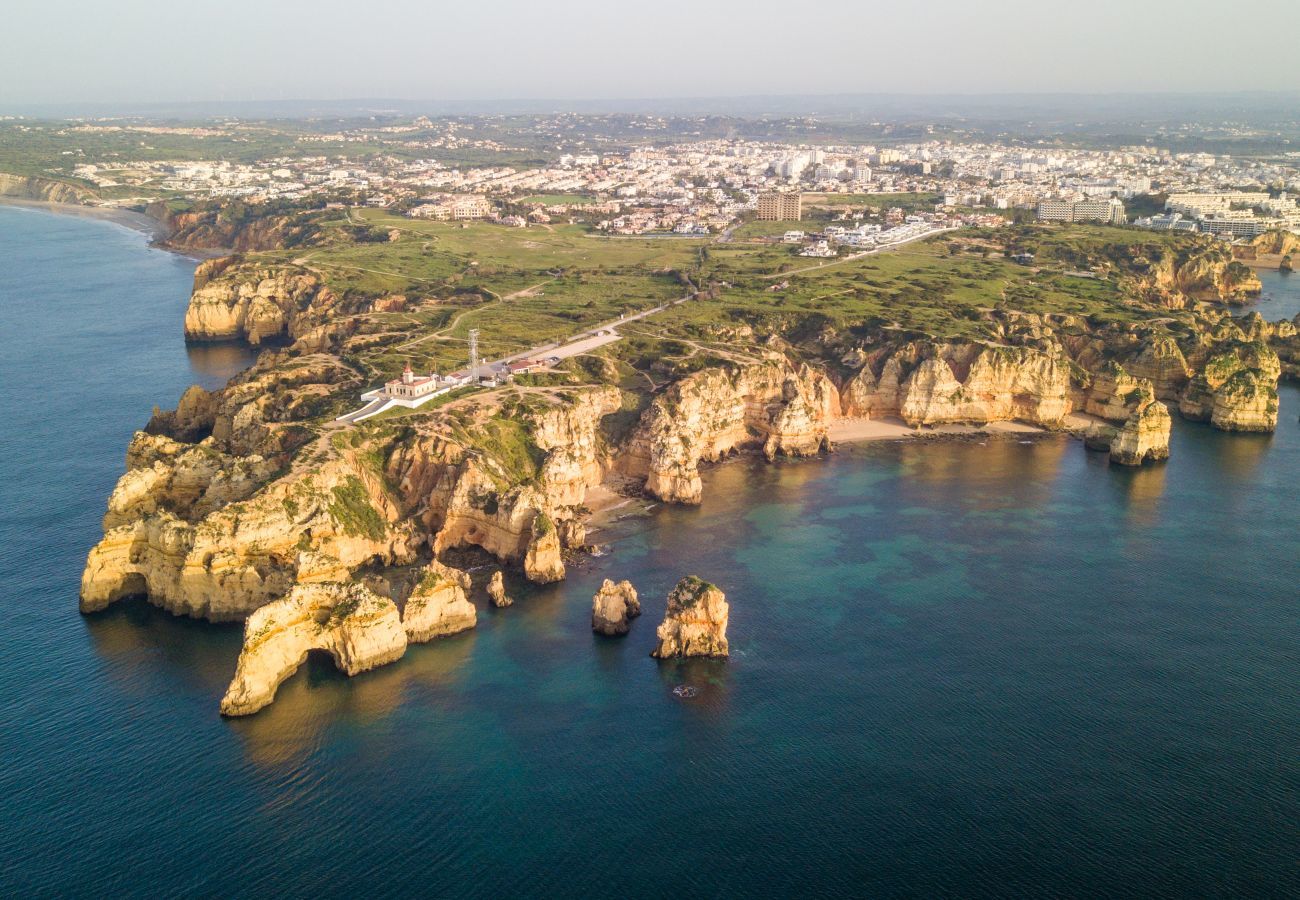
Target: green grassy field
(525,287)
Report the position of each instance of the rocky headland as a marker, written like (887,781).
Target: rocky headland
(252,503)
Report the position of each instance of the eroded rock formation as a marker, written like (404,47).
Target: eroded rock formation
(253,303)
(438,605)
(695,623)
(496,590)
(613,607)
(772,405)
(928,384)
(357,627)
(1237,389)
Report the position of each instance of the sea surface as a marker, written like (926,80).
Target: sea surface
(967,668)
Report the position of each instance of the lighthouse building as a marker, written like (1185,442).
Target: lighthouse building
(410,386)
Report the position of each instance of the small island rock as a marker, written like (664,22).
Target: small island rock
(497,590)
(613,607)
(695,623)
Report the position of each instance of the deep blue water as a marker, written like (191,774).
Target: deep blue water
(959,669)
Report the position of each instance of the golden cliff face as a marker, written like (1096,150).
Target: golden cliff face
(930,384)
(695,623)
(1237,389)
(772,405)
(1144,435)
(1209,273)
(438,605)
(462,496)
(254,303)
(30,187)
(224,564)
(357,627)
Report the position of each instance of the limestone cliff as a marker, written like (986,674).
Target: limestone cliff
(357,627)
(312,525)
(695,623)
(31,187)
(927,384)
(211,226)
(464,495)
(1161,361)
(439,604)
(1237,389)
(782,409)
(1144,436)
(496,590)
(256,302)
(1206,272)
(1277,242)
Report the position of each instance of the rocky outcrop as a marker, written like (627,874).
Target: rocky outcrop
(1112,394)
(1144,436)
(695,623)
(929,384)
(1161,362)
(186,480)
(613,607)
(215,227)
(357,627)
(1247,401)
(317,525)
(257,302)
(438,605)
(542,560)
(496,590)
(1275,242)
(1206,272)
(467,496)
(770,405)
(1237,389)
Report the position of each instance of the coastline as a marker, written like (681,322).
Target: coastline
(155,229)
(136,221)
(616,498)
(1267,262)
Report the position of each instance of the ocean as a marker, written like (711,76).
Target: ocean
(985,667)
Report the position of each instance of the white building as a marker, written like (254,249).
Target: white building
(410,386)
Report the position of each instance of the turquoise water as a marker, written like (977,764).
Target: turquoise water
(959,669)
(1280,298)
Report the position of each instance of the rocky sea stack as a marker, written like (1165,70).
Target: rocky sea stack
(496,589)
(695,623)
(613,607)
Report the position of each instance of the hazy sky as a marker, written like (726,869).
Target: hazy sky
(146,50)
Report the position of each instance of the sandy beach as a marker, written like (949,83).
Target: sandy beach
(1269,261)
(136,221)
(850,431)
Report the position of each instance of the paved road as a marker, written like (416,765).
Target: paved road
(599,336)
